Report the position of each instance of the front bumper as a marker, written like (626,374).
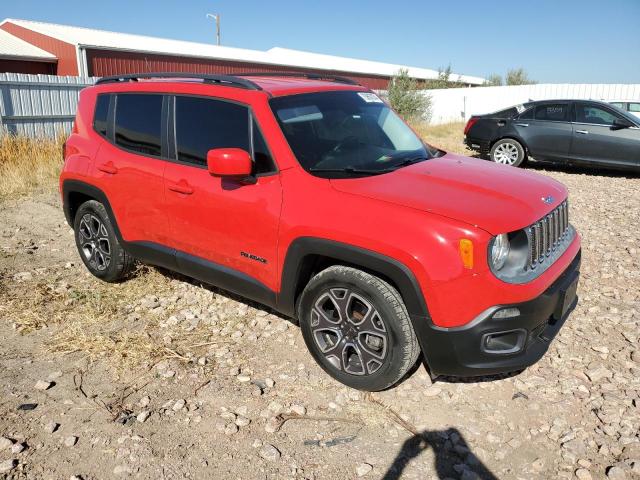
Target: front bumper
(489,345)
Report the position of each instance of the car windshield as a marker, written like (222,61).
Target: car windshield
(347,133)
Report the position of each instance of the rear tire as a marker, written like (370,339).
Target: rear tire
(98,245)
(357,328)
(507,152)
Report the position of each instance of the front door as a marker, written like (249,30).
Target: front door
(595,140)
(226,226)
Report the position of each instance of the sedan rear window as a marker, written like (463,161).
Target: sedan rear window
(552,111)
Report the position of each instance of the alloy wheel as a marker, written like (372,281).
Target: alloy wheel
(506,154)
(349,331)
(94,242)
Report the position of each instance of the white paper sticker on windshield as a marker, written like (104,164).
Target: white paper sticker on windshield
(369,97)
(520,108)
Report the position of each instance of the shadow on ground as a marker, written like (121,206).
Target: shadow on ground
(453,457)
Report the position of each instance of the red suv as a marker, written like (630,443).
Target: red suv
(309,195)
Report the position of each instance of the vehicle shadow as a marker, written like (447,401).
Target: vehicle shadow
(452,456)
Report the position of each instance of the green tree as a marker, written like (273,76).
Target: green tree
(519,76)
(406,99)
(493,80)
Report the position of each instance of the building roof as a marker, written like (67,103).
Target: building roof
(13,48)
(86,37)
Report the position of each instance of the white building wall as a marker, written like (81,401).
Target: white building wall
(458,104)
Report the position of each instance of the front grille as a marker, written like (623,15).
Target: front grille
(547,234)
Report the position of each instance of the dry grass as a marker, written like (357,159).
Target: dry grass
(448,137)
(100,321)
(28,164)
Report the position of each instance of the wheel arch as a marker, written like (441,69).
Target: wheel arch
(76,192)
(307,256)
(511,137)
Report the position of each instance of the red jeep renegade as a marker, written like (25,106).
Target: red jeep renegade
(308,194)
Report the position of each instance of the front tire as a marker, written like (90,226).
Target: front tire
(507,152)
(98,245)
(357,328)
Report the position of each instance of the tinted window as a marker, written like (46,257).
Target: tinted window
(618,104)
(586,113)
(527,115)
(262,157)
(139,122)
(552,111)
(634,107)
(508,113)
(203,124)
(101,114)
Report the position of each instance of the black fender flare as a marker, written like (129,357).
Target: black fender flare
(369,260)
(70,187)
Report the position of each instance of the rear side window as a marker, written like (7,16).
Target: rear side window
(101,114)
(203,124)
(552,111)
(634,107)
(138,123)
(527,114)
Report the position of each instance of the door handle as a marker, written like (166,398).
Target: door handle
(108,167)
(583,132)
(181,187)
(522,124)
(501,123)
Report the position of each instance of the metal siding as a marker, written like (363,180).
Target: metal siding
(65,52)
(38,105)
(110,62)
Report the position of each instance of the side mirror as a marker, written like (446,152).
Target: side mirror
(620,123)
(229,162)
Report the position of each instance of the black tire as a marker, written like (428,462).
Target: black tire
(508,152)
(98,245)
(383,340)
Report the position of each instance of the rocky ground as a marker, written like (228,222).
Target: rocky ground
(160,377)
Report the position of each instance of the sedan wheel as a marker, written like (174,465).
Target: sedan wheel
(507,152)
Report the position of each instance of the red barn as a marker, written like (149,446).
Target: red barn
(88,52)
(18,56)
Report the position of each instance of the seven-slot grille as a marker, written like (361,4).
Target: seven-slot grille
(547,234)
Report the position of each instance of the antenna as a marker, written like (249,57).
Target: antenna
(216,17)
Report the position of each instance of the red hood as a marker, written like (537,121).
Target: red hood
(496,198)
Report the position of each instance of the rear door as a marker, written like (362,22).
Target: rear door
(230,224)
(546,129)
(595,140)
(129,166)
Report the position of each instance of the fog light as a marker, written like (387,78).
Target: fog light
(504,342)
(507,313)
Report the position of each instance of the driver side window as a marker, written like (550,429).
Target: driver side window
(589,113)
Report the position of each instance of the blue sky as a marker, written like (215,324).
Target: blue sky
(576,41)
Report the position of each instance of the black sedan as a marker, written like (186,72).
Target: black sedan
(573,132)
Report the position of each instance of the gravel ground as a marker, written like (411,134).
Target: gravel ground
(160,377)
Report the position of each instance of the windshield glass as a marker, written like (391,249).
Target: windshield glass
(340,134)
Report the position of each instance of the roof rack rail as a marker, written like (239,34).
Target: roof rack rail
(310,76)
(225,80)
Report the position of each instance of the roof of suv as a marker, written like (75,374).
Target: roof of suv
(275,84)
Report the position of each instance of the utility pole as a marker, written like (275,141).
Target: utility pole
(216,17)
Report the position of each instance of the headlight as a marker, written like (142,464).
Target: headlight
(499,251)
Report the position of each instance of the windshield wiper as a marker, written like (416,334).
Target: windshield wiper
(407,162)
(347,170)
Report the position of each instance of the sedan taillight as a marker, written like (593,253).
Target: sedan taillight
(470,124)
